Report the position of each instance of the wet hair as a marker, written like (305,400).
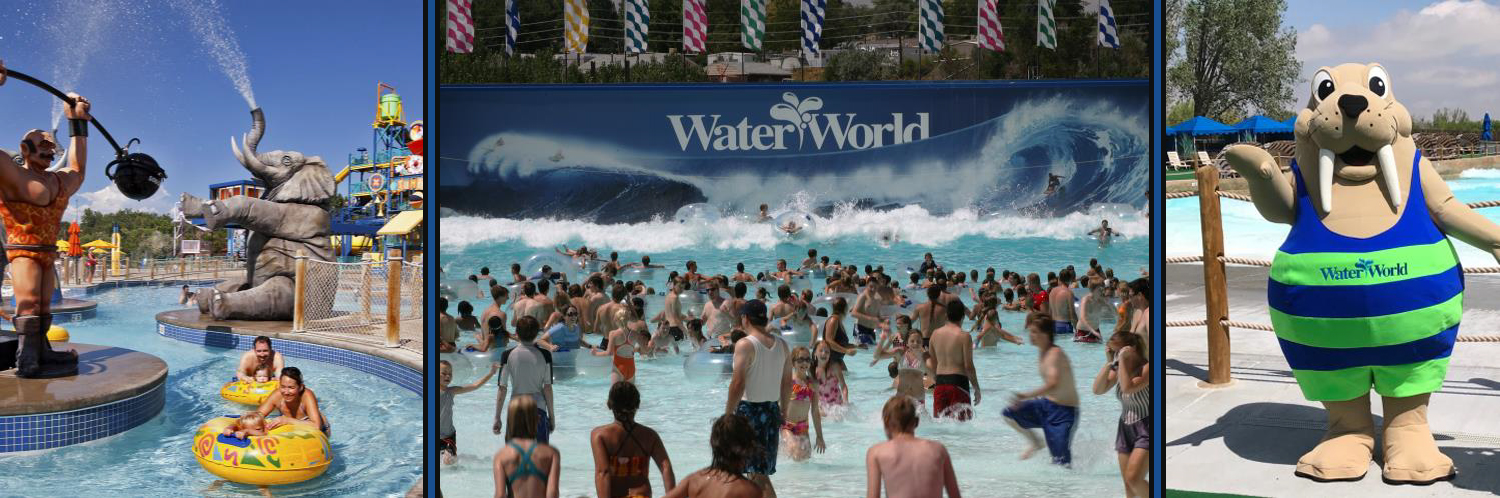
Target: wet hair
(526,328)
(739,290)
(261,339)
(893,369)
(465,309)
(1043,323)
(528,289)
(735,335)
(1128,338)
(915,277)
(821,312)
(840,305)
(1010,296)
(474,278)
(521,419)
(783,292)
(902,318)
(733,443)
(253,417)
(1142,286)
(619,292)
(624,400)
(812,253)
(956,311)
(292,373)
(762,294)
(764,207)
(824,259)
(646,259)
(442,304)
(899,415)
(499,292)
(739,267)
(614,256)
(934,292)
(495,323)
(543,285)
(484,270)
(515,268)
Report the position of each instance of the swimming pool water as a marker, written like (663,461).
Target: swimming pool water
(377,441)
(985,450)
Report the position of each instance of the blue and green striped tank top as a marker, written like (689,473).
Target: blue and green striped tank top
(1355,312)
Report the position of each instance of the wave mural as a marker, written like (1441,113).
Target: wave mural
(628,153)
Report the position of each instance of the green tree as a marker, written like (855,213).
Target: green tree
(1237,57)
(856,65)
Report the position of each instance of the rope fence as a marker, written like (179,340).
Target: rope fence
(1216,293)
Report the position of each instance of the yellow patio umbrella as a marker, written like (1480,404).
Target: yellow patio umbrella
(99,244)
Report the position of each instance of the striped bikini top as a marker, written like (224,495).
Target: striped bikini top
(1135,407)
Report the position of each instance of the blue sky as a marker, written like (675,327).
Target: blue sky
(1438,53)
(313,67)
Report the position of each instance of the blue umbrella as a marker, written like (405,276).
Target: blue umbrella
(1258,125)
(1486,136)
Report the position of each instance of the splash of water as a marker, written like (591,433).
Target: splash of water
(76,40)
(219,40)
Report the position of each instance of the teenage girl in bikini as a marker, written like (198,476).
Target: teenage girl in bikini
(623,448)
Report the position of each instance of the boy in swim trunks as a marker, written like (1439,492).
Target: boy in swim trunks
(953,355)
(1052,407)
(907,465)
(447,436)
(1060,304)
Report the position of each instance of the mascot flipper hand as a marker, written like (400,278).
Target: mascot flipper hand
(1366,291)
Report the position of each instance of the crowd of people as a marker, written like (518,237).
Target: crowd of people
(781,394)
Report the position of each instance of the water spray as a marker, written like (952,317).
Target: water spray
(136,174)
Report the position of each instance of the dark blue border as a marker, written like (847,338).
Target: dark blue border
(430,258)
(1158,234)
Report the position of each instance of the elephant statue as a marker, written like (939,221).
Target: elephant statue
(292,214)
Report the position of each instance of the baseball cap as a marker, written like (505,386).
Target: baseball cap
(754,308)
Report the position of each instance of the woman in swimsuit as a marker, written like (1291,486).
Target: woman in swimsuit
(296,402)
(519,464)
(497,338)
(733,444)
(620,347)
(622,449)
(834,334)
(804,386)
(988,326)
(911,363)
(833,393)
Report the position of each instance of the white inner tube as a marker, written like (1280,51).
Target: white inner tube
(703,366)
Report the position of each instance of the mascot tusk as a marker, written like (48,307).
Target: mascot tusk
(1386,156)
(1325,179)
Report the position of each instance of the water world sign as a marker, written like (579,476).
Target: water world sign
(989,144)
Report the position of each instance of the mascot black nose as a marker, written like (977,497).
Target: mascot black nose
(1352,105)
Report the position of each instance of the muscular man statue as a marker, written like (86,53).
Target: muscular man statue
(32,201)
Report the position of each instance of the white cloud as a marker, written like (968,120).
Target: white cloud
(109,200)
(1441,55)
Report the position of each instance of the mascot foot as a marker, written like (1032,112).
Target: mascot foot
(32,358)
(1411,455)
(1347,447)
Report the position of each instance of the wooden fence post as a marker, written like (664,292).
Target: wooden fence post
(299,299)
(393,303)
(1216,298)
(364,290)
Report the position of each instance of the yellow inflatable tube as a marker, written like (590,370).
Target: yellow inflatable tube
(248,393)
(287,454)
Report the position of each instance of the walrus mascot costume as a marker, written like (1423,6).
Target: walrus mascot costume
(1367,290)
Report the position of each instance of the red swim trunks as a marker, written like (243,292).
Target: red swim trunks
(944,399)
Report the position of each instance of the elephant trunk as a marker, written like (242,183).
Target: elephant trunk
(257,129)
(247,156)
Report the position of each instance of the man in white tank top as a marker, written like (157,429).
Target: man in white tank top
(760,388)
